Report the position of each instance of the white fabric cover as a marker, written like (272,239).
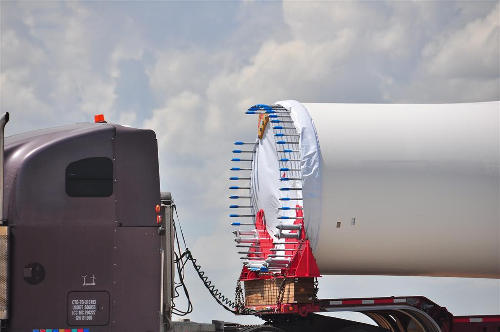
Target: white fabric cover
(266,176)
(265,180)
(310,164)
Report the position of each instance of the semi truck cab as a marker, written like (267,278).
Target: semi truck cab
(80,235)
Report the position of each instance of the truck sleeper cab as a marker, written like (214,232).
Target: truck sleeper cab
(84,247)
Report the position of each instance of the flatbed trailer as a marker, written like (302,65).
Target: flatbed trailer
(395,314)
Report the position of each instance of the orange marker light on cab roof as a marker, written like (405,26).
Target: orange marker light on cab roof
(99,118)
(157,208)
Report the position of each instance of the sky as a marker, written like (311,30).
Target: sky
(189,70)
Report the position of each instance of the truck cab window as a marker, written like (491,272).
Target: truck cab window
(90,177)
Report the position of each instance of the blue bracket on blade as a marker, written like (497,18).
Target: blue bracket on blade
(256,108)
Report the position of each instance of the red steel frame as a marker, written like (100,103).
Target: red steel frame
(303,263)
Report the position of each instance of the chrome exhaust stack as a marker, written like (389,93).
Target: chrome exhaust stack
(4,232)
(3,121)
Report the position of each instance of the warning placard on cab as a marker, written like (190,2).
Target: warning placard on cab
(88,308)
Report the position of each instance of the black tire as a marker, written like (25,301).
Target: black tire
(359,328)
(262,328)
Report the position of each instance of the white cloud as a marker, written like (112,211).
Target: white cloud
(179,118)
(129,46)
(321,21)
(469,53)
(21,97)
(53,71)
(414,52)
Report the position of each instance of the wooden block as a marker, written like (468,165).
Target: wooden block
(265,292)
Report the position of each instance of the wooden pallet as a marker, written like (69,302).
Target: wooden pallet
(265,291)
